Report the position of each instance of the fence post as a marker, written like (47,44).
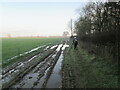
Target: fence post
(18,51)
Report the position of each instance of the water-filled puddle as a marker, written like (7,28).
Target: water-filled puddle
(25,53)
(55,80)
(53,46)
(28,81)
(42,80)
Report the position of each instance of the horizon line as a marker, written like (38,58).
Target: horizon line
(33,36)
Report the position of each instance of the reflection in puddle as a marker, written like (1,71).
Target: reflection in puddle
(47,48)
(63,48)
(54,46)
(55,78)
(58,49)
(29,79)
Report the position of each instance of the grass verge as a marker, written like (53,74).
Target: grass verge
(83,70)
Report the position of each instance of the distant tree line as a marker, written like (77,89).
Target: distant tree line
(98,24)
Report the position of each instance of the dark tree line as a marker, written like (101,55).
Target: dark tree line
(99,24)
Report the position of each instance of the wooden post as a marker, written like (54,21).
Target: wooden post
(71,27)
(18,51)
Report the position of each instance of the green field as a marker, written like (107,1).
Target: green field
(14,46)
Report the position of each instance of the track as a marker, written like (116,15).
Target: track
(37,72)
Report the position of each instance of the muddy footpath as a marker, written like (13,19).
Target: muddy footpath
(40,71)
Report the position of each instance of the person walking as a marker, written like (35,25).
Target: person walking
(75,42)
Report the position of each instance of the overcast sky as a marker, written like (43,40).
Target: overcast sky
(31,18)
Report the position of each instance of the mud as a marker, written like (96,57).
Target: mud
(56,75)
(22,54)
(55,78)
(41,71)
(8,68)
